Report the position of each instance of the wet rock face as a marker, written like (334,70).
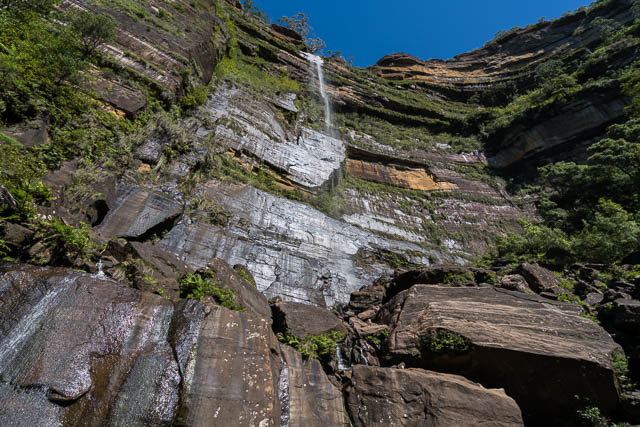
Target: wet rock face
(307,396)
(293,250)
(232,373)
(78,350)
(414,397)
(540,353)
(243,122)
(86,344)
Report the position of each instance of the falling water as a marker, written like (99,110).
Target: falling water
(342,364)
(100,274)
(314,59)
(283,395)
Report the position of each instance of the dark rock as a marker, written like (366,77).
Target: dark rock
(247,295)
(125,98)
(40,254)
(15,235)
(593,298)
(243,271)
(514,282)
(287,32)
(151,150)
(307,397)
(434,275)
(627,315)
(71,336)
(158,270)
(498,345)
(384,396)
(6,200)
(611,295)
(32,134)
(582,288)
(233,372)
(138,213)
(632,259)
(539,278)
(367,297)
(302,320)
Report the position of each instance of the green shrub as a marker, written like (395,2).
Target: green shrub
(440,341)
(246,276)
(533,244)
(620,366)
(195,97)
(67,240)
(322,346)
(378,338)
(200,285)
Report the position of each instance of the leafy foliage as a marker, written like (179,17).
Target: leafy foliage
(300,24)
(441,341)
(200,285)
(92,29)
(66,240)
(322,346)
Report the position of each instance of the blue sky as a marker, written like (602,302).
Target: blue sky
(370,29)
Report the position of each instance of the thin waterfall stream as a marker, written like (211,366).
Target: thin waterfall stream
(318,62)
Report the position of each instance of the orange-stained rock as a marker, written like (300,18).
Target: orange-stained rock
(414,178)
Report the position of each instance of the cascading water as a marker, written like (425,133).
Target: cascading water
(318,62)
(342,364)
(100,274)
(283,395)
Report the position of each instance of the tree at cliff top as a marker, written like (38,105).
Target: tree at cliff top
(300,24)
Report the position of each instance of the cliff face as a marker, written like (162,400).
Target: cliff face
(219,155)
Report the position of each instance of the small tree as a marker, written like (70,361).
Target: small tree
(92,29)
(252,9)
(300,24)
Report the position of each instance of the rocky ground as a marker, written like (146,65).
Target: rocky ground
(244,264)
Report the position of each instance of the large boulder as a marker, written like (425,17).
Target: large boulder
(307,397)
(414,397)
(232,372)
(542,353)
(539,278)
(75,349)
(302,320)
(138,213)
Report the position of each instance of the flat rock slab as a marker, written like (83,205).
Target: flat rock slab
(307,397)
(538,352)
(414,397)
(302,320)
(136,212)
(233,373)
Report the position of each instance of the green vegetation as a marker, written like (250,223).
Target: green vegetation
(378,338)
(65,240)
(246,72)
(440,341)
(200,285)
(620,366)
(246,276)
(459,279)
(322,346)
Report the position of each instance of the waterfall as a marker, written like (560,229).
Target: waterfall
(318,62)
(342,364)
(283,395)
(100,274)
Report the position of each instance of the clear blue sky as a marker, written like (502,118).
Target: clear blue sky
(370,29)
